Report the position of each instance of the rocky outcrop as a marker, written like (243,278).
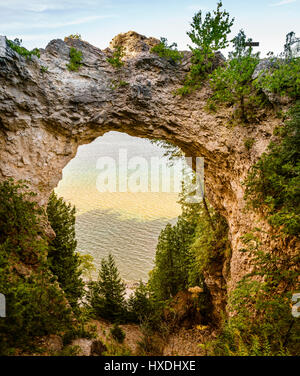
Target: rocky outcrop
(88,347)
(45,116)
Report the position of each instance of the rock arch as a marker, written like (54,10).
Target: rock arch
(45,116)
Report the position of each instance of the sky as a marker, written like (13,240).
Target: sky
(37,22)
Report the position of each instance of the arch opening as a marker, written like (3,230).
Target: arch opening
(111,219)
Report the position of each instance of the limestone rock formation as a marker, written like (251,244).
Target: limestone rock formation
(45,116)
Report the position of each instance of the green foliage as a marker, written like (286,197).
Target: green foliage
(106,295)
(273,184)
(261,303)
(172,259)
(115,84)
(116,59)
(87,266)
(186,249)
(171,151)
(165,51)
(116,349)
(232,83)
(209,35)
(210,245)
(283,78)
(16,46)
(35,304)
(75,60)
(262,323)
(44,69)
(62,257)
(79,329)
(117,333)
(141,306)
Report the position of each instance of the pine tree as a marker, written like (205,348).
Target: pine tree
(140,306)
(106,295)
(62,257)
(233,82)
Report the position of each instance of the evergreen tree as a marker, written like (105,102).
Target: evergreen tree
(62,257)
(173,259)
(232,83)
(209,35)
(106,295)
(140,306)
(35,305)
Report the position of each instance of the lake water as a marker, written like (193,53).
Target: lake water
(127,224)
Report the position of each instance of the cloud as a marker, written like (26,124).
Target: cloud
(54,25)
(283,2)
(41,6)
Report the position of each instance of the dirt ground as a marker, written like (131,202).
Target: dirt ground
(184,342)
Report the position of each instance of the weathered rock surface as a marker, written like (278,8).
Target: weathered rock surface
(44,117)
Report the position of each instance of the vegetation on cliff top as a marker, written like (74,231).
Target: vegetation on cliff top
(209,35)
(166,51)
(16,45)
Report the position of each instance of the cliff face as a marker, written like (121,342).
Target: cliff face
(44,117)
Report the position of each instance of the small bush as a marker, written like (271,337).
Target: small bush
(273,182)
(116,59)
(75,60)
(283,79)
(167,52)
(140,304)
(232,83)
(16,46)
(115,84)
(44,69)
(117,333)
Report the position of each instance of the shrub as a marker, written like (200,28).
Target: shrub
(261,303)
(233,84)
(16,46)
(75,60)
(44,69)
(273,183)
(116,59)
(210,245)
(140,305)
(165,51)
(283,79)
(117,333)
(115,84)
